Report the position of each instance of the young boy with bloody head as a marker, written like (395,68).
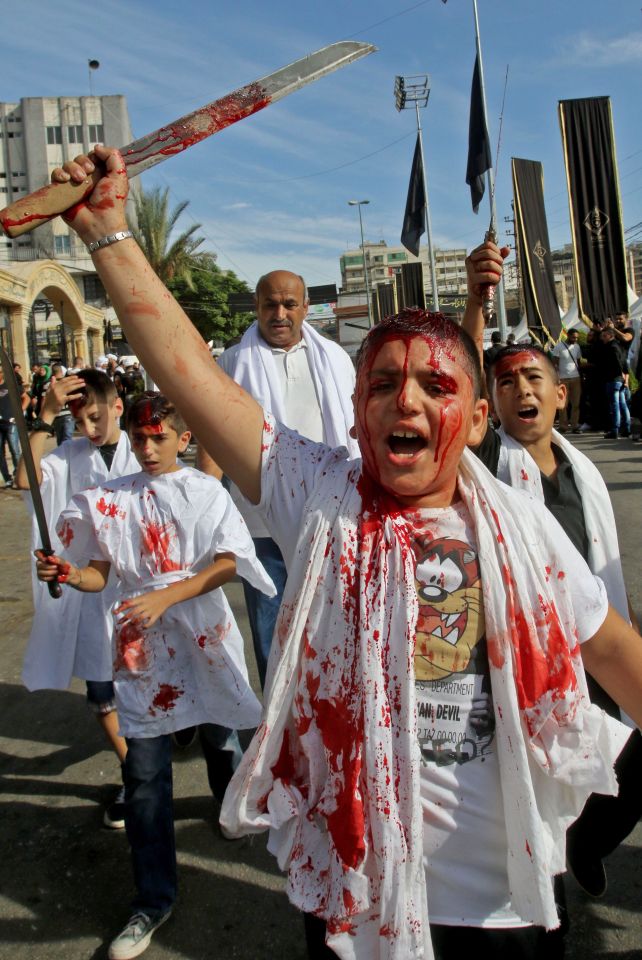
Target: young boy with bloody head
(173,537)
(404,813)
(72,636)
(529,454)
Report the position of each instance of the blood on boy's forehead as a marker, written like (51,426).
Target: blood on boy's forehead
(75,406)
(146,413)
(513,362)
(437,351)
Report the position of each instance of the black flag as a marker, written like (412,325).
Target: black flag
(534,249)
(414,220)
(596,218)
(479,155)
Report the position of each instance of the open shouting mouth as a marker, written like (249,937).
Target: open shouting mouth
(527,413)
(406,443)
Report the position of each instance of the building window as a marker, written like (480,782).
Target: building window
(54,135)
(94,291)
(96,133)
(3,189)
(74,132)
(10,136)
(62,244)
(18,173)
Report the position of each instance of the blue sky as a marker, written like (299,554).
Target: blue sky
(272,191)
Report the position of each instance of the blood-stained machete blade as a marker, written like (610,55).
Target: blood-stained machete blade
(48,202)
(27,457)
(202,123)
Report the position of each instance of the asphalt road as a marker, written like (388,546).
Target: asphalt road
(65,881)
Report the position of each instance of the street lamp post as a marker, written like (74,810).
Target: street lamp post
(409,90)
(358,204)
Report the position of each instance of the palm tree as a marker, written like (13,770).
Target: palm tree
(170,259)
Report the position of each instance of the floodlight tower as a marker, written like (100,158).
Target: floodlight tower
(409,90)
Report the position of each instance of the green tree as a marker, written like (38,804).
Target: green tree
(170,258)
(199,285)
(205,300)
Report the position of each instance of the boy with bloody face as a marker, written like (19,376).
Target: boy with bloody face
(370,835)
(173,537)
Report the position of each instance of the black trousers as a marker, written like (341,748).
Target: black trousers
(606,821)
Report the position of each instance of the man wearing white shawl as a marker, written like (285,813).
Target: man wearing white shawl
(307,382)
(335,769)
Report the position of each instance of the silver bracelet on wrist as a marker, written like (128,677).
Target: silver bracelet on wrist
(108,240)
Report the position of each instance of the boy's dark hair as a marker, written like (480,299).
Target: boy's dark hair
(99,384)
(512,350)
(153,408)
(98,387)
(422,322)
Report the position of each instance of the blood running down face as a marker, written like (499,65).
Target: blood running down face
(417,406)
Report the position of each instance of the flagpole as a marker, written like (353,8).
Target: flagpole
(490,173)
(431,251)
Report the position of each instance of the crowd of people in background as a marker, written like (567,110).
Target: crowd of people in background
(128,379)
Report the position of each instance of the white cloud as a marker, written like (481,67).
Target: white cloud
(593,51)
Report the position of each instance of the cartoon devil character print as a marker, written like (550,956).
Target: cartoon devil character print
(455,717)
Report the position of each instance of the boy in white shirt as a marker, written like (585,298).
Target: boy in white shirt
(173,537)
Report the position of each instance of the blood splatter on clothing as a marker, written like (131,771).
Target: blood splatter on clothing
(169,528)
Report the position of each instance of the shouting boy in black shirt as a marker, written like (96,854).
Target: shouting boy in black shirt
(527,452)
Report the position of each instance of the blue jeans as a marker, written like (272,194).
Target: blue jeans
(8,435)
(100,696)
(64,427)
(618,407)
(149,817)
(262,611)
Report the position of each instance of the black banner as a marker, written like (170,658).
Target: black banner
(479,155)
(594,198)
(412,283)
(385,300)
(533,248)
(414,218)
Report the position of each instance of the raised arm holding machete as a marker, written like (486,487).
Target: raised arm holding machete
(56,198)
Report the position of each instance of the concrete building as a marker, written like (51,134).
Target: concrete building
(383,262)
(52,302)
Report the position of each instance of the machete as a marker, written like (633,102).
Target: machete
(56,198)
(14,399)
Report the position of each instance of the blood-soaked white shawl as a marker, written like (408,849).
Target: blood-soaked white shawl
(333,770)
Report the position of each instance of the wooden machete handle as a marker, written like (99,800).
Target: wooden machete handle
(45,204)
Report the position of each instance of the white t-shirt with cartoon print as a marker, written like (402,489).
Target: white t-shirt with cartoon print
(465,847)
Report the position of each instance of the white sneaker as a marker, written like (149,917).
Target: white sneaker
(135,936)
(585,427)
(114,815)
